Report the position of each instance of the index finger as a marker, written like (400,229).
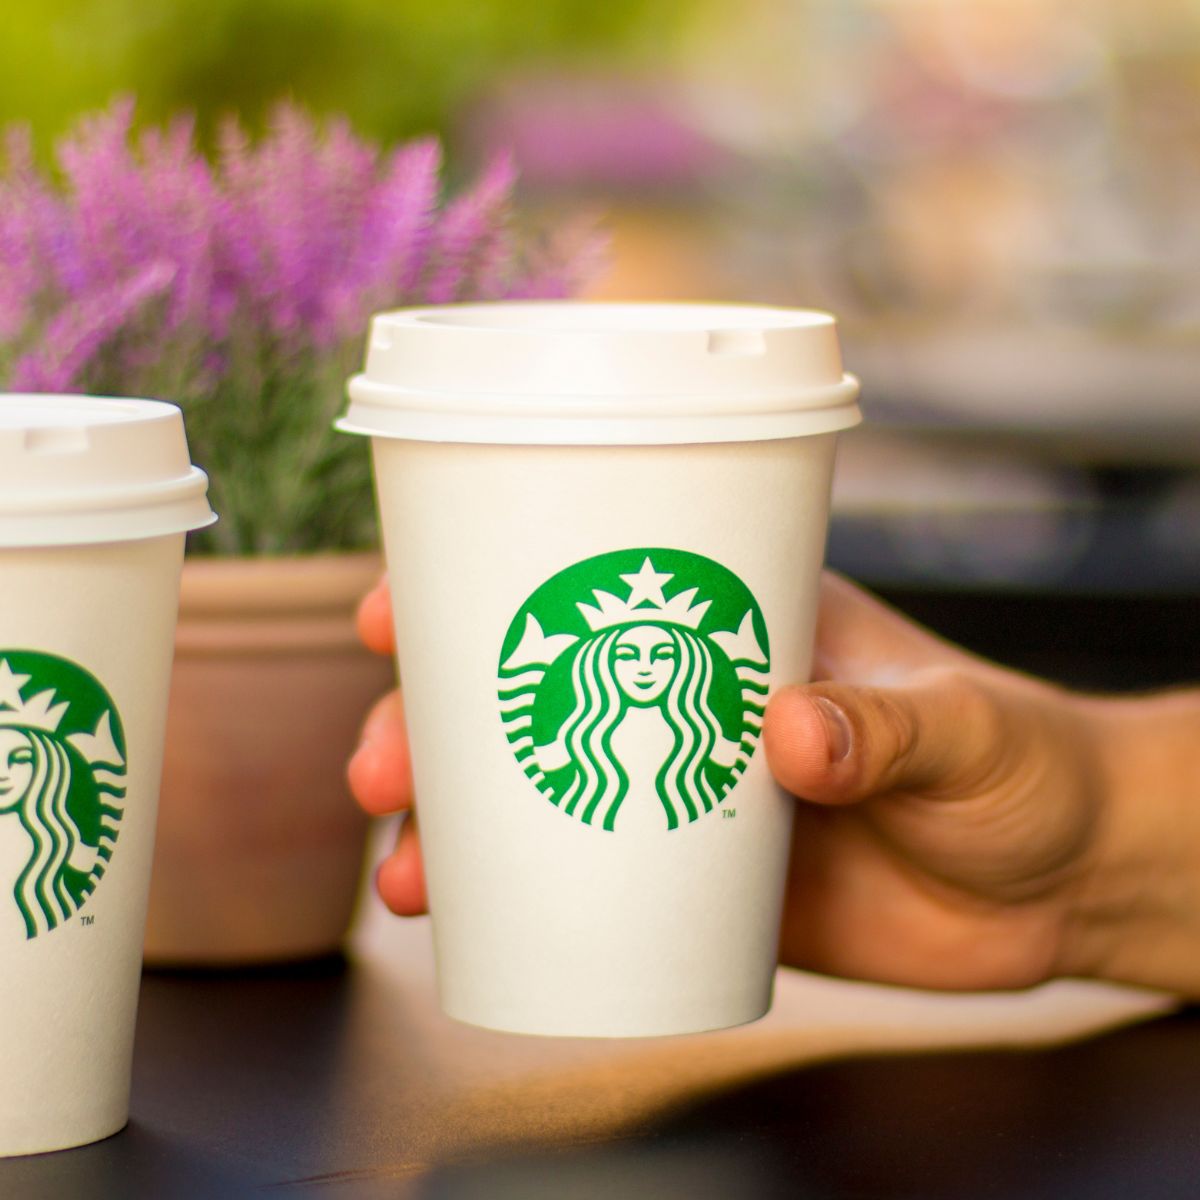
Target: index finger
(380,772)
(374,619)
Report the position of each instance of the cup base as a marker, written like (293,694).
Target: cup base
(571,1026)
(48,1143)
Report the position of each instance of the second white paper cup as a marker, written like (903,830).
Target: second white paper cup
(95,497)
(604,528)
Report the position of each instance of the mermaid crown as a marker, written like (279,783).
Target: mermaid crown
(645,602)
(38,712)
(41,712)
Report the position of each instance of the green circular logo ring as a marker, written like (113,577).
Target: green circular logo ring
(62,782)
(639,671)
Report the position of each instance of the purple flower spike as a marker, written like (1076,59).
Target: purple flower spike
(472,240)
(31,222)
(397,227)
(242,289)
(77,334)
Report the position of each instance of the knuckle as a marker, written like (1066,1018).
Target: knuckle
(979,719)
(948,724)
(891,729)
(974,705)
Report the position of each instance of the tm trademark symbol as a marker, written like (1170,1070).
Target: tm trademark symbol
(87,920)
(728,813)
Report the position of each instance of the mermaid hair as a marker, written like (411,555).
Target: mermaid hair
(600,783)
(682,781)
(44,892)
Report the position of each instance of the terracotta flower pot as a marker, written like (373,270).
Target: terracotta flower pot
(260,847)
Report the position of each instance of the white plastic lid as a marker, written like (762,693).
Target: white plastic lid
(84,469)
(573,373)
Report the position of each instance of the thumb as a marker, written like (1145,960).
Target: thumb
(943,734)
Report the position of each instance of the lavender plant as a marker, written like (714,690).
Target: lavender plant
(240,288)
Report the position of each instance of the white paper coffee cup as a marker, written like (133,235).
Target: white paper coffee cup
(604,527)
(95,498)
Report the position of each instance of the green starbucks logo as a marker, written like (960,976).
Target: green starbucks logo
(62,782)
(638,677)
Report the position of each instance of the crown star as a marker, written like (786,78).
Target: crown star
(647,585)
(11,685)
(645,602)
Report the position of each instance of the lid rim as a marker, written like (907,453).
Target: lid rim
(152,495)
(597,420)
(66,530)
(565,432)
(842,392)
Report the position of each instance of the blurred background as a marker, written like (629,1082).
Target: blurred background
(999,198)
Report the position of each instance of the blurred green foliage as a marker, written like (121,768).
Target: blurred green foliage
(395,67)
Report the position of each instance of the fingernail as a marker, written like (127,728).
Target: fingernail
(837,729)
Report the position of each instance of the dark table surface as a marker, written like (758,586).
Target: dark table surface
(340,1078)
